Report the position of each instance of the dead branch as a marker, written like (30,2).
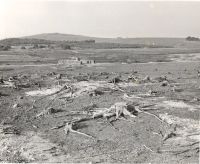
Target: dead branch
(192,144)
(140,111)
(146,106)
(118,109)
(73,121)
(148,148)
(178,152)
(47,112)
(58,127)
(111,125)
(169,134)
(59,91)
(193,134)
(69,128)
(10,130)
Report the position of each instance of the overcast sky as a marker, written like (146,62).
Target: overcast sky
(101,19)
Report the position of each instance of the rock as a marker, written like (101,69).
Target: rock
(53,110)
(51,74)
(58,76)
(161,78)
(175,89)
(16,105)
(20,97)
(164,83)
(133,78)
(146,79)
(1,80)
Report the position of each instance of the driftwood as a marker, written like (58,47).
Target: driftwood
(118,109)
(140,111)
(148,148)
(170,133)
(56,93)
(48,111)
(73,121)
(178,152)
(69,128)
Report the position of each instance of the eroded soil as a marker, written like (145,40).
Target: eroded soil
(170,91)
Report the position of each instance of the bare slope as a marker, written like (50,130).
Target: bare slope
(70,37)
(164,41)
(59,37)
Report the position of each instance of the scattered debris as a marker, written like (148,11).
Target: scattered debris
(9,129)
(9,84)
(48,111)
(90,108)
(98,91)
(118,109)
(133,78)
(161,79)
(115,80)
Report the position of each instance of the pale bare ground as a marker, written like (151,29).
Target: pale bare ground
(138,139)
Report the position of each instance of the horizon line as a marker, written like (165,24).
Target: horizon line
(100,37)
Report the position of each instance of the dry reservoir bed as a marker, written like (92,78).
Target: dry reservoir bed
(103,113)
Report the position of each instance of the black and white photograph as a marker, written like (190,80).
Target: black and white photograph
(99,81)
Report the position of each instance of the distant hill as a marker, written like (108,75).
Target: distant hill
(70,37)
(19,41)
(127,42)
(60,37)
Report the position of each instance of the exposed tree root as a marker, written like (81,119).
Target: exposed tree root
(148,148)
(69,128)
(140,111)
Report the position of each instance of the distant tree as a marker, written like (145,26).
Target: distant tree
(50,46)
(42,46)
(5,47)
(89,41)
(23,48)
(35,46)
(65,46)
(190,38)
